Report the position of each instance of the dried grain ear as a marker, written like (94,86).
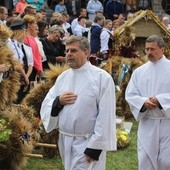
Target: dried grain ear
(37,94)
(10,85)
(14,149)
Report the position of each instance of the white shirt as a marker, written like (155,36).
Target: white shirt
(17,51)
(16,48)
(74,23)
(40,47)
(104,40)
(79,30)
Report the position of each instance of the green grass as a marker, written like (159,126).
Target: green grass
(123,159)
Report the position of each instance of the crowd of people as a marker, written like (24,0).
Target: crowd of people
(37,40)
(85,115)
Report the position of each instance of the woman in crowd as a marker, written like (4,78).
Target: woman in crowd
(31,25)
(53,47)
(23,54)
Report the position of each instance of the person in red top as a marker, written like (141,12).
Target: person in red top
(21,6)
(31,25)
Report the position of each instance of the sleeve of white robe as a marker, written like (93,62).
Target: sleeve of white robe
(49,122)
(104,137)
(164,100)
(134,99)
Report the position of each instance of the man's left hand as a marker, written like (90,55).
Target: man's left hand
(155,101)
(89,160)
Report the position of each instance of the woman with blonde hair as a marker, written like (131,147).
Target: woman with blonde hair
(31,25)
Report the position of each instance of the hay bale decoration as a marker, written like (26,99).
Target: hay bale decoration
(34,100)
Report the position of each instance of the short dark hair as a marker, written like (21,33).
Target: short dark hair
(28,8)
(41,26)
(84,43)
(155,38)
(98,18)
(79,18)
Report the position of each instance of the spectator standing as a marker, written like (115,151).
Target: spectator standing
(42,33)
(121,19)
(44,14)
(20,6)
(95,32)
(23,54)
(165,21)
(106,39)
(113,9)
(92,7)
(37,3)
(3,15)
(53,47)
(56,19)
(29,10)
(80,28)
(43,29)
(60,7)
(66,25)
(144,4)
(83,13)
(73,8)
(15,2)
(31,25)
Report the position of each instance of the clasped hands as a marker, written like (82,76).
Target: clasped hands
(151,103)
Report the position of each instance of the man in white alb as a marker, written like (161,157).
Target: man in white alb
(148,94)
(81,104)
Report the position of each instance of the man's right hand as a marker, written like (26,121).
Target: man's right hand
(67,98)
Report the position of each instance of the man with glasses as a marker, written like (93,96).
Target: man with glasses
(81,104)
(148,95)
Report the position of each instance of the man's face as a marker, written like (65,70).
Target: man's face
(121,19)
(44,14)
(84,13)
(153,51)
(75,56)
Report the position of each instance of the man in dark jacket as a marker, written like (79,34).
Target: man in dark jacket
(95,31)
(113,9)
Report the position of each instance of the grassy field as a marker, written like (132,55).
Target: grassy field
(123,159)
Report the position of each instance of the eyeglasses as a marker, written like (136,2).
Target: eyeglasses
(73,50)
